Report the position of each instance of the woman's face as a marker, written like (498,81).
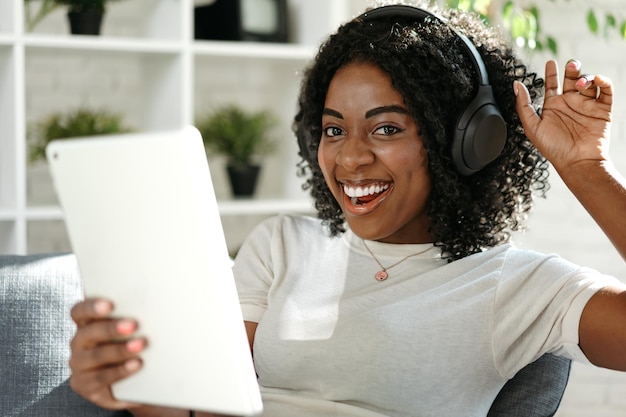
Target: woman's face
(372,158)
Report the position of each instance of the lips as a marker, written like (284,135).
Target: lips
(362,198)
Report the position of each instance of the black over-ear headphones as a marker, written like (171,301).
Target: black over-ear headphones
(480,132)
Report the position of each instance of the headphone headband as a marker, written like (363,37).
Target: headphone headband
(423,15)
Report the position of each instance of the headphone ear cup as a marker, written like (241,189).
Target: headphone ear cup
(480,134)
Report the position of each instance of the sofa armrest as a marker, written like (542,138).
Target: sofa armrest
(535,391)
(36,295)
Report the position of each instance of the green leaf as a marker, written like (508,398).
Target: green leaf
(507,11)
(535,12)
(622,30)
(552,45)
(592,22)
(611,21)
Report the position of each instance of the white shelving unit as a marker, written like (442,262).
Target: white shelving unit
(146,66)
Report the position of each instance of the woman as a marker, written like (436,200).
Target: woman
(405,299)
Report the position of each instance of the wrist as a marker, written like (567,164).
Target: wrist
(584,172)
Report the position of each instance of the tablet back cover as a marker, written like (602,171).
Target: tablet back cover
(143,221)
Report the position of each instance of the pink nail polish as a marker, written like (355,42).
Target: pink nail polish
(132,365)
(583,82)
(135,345)
(573,64)
(102,308)
(125,327)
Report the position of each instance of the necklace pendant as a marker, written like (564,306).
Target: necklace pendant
(381,275)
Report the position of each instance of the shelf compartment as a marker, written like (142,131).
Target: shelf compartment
(144,19)
(10,116)
(7,16)
(144,87)
(47,236)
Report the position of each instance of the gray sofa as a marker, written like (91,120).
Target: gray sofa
(36,294)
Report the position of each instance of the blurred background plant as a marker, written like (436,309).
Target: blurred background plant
(79,122)
(522,19)
(36,10)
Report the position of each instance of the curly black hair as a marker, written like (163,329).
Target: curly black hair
(430,68)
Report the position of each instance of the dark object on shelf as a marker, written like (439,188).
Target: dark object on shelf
(86,22)
(242,20)
(243,179)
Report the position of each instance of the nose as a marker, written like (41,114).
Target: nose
(355,152)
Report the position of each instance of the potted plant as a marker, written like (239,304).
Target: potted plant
(85,16)
(242,137)
(75,123)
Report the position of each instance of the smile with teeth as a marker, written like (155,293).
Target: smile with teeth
(363,194)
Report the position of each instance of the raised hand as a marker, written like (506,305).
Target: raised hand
(574,125)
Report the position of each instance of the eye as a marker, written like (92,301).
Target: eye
(332,131)
(387,130)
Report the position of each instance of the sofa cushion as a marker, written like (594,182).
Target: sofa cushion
(36,295)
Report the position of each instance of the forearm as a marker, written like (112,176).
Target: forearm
(148,411)
(601,189)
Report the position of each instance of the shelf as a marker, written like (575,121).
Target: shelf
(101,43)
(6,40)
(244,207)
(44,213)
(263,207)
(253,50)
(7,215)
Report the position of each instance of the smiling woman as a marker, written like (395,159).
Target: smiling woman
(404,298)
(370,142)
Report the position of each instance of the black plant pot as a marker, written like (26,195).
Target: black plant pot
(87,22)
(243,179)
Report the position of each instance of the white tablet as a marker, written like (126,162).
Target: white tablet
(143,221)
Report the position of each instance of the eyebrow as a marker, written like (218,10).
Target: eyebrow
(386,109)
(370,113)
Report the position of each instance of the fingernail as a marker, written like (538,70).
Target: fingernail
(573,64)
(584,82)
(102,307)
(125,327)
(515,88)
(132,365)
(135,345)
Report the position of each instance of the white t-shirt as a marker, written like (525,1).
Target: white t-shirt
(434,339)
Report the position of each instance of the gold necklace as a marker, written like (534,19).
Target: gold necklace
(382,274)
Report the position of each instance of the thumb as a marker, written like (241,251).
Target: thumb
(527,114)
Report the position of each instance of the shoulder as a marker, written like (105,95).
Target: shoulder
(515,266)
(528,271)
(285,233)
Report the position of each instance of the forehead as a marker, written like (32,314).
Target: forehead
(361,85)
